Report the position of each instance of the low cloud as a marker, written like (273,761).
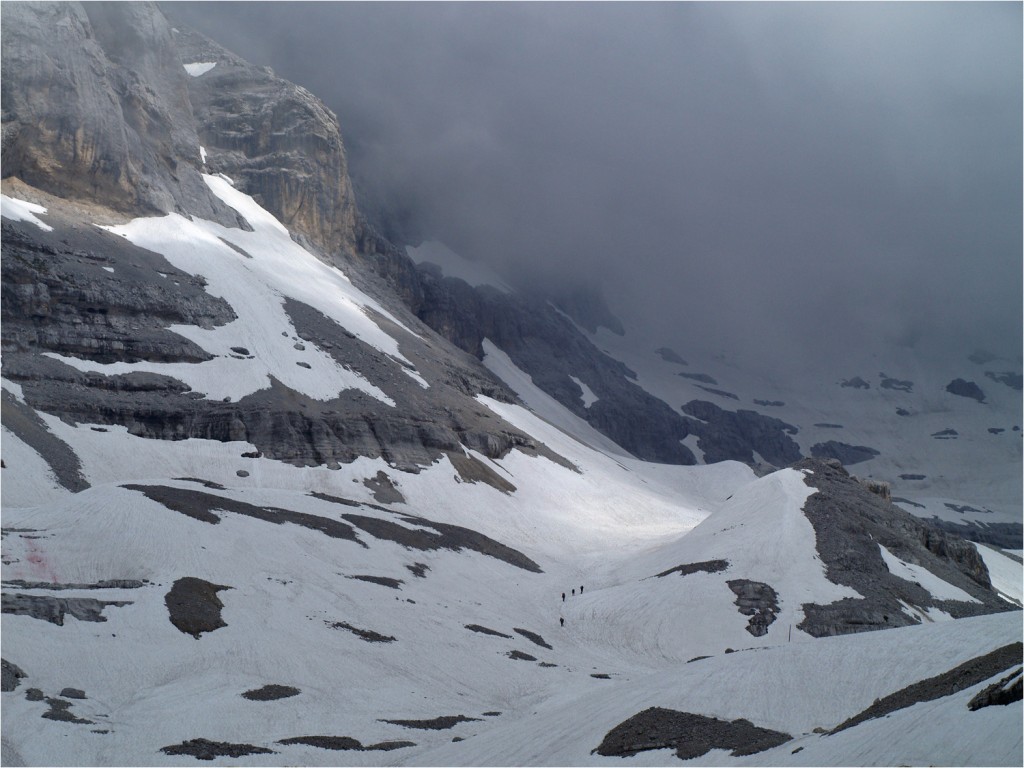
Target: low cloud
(806,175)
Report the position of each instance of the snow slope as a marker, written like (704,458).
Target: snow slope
(22,210)
(255,272)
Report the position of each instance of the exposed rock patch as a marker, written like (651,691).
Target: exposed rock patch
(1009,378)
(60,710)
(690,735)
(419,570)
(845,453)
(701,377)
(520,656)
(769,403)
(193,606)
(452,537)
(724,435)
(533,637)
(962,508)
(487,631)
(900,385)
(384,581)
(57,297)
(964,388)
(384,489)
(946,434)
(204,749)
(11,676)
(206,483)
(670,356)
(719,392)
(855,383)
(54,609)
(434,724)
(271,692)
(1000,693)
(758,601)
(705,566)
(199,505)
(957,679)
(363,634)
(472,470)
(105,584)
(346,743)
(25,423)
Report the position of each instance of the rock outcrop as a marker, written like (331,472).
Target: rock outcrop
(850,524)
(549,347)
(964,388)
(276,140)
(724,435)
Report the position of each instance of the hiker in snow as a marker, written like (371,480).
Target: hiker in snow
(561,621)
(574,591)
(563,597)
(581,589)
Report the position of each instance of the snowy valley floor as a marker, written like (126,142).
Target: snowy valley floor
(387,630)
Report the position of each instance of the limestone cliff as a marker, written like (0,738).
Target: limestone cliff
(95,108)
(275,139)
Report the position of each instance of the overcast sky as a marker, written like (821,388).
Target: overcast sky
(810,174)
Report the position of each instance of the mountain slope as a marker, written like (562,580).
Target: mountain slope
(262,502)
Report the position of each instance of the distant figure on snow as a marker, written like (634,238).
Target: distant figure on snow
(561,621)
(574,591)
(581,589)
(563,597)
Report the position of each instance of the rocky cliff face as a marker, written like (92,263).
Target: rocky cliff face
(278,142)
(99,120)
(95,107)
(109,104)
(850,525)
(545,344)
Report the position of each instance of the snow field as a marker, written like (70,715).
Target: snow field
(198,68)
(21,210)
(255,281)
(1005,573)
(935,586)
(783,688)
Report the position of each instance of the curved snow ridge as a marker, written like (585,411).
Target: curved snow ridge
(764,535)
(21,210)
